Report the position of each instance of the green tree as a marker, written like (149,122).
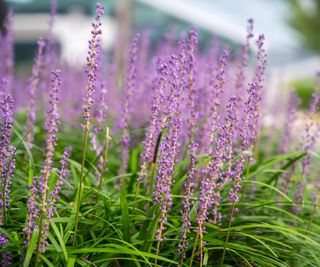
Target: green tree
(305,19)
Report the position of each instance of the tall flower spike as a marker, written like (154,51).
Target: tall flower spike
(126,103)
(34,82)
(215,90)
(229,141)
(51,128)
(193,145)
(92,65)
(240,76)
(158,86)
(249,129)
(252,105)
(191,87)
(7,153)
(92,71)
(168,149)
(215,175)
(53,14)
(51,53)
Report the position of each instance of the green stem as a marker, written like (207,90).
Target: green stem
(37,259)
(201,241)
(105,156)
(79,193)
(135,199)
(4,190)
(181,256)
(158,244)
(314,210)
(42,214)
(228,233)
(41,223)
(194,247)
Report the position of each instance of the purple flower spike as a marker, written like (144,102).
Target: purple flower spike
(192,122)
(191,72)
(126,104)
(7,153)
(34,82)
(215,90)
(92,65)
(51,128)
(169,146)
(241,76)
(39,200)
(158,86)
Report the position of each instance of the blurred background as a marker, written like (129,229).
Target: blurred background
(291,28)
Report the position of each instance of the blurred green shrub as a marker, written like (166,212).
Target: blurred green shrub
(304,88)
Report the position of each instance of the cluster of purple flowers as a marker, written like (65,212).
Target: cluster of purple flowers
(202,104)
